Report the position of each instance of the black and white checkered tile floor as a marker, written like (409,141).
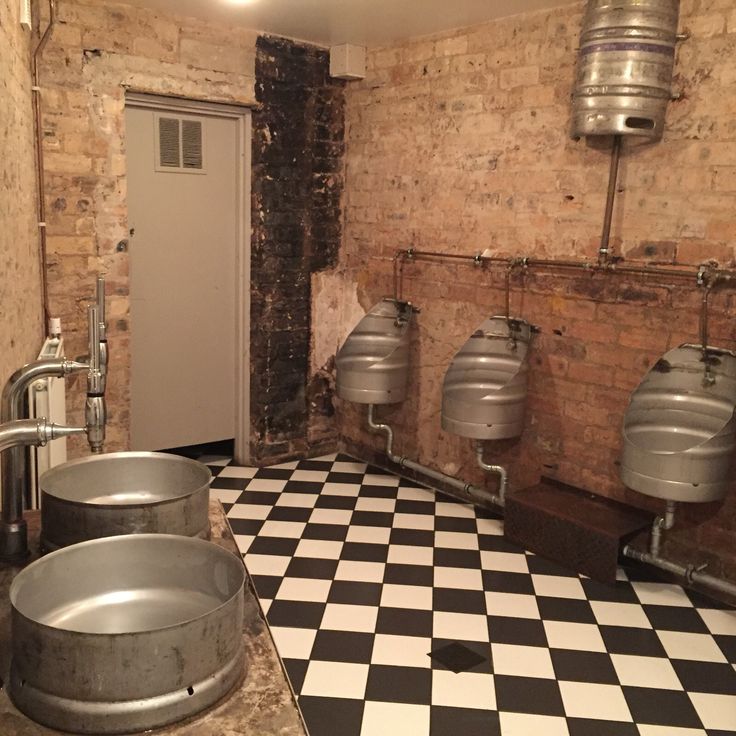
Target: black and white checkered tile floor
(398,611)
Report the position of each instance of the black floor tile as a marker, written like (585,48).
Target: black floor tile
(542,566)
(628,640)
(289,513)
(457,657)
(259,498)
(706,677)
(273,473)
(497,543)
(526,632)
(266,585)
(507,582)
(457,558)
(353,479)
(456,524)
(341,716)
(406,506)
(618,592)
(296,669)
(248,527)
(327,532)
(445,721)
(404,622)
(413,537)
(296,614)
(399,684)
(459,601)
(342,646)
(323,465)
(409,574)
(594,727)
(273,546)
(231,484)
(355,593)
(372,518)
(370,491)
(364,552)
(675,618)
(303,486)
(326,501)
(728,647)
(578,666)
(661,707)
(565,609)
(311,567)
(528,695)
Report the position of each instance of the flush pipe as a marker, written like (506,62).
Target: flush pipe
(460,485)
(693,574)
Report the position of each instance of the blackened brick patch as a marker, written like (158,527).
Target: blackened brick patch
(298,145)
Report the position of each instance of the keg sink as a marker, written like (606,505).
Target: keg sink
(126,633)
(123,493)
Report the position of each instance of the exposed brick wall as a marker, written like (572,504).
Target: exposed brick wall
(297,184)
(21,332)
(460,142)
(96,52)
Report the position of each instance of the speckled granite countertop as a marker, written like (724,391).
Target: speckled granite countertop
(263,704)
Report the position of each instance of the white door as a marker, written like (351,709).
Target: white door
(185,208)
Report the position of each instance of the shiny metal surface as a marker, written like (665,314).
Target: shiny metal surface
(625,64)
(127,633)
(485,387)
(373,363)
(679,430)
(123,493)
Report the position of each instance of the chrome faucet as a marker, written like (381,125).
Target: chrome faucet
(16,433)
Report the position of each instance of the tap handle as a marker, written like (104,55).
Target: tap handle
(101,307)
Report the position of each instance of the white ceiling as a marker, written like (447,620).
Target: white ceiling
(362,22)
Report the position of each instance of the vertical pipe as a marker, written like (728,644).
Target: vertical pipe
(604,250)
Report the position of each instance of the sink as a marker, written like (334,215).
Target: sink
(126,633)
(123,493)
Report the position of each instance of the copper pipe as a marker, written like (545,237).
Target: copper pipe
(603,251)
(40,181)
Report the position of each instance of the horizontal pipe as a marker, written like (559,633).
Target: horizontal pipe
(460,485)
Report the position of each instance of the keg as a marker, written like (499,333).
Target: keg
(625,64)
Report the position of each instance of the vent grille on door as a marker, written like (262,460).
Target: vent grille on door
(179,144)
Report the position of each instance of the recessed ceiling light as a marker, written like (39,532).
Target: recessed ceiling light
(242,2)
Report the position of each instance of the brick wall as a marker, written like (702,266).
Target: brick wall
(96,52)
(460,142)
(21,332)
(297,184)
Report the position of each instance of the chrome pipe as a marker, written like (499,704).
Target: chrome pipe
(405,462)
(604,250)
(95,409)
(661,524)
(500,500)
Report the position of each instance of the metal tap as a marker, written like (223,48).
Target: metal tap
(95,409)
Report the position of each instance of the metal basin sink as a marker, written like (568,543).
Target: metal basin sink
(126,633)
(123,493)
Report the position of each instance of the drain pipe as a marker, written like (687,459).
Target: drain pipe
(691,573)
(468,488)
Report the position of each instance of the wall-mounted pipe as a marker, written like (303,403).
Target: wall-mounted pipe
(604,251)
(404,462)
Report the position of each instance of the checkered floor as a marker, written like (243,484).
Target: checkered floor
(399,611)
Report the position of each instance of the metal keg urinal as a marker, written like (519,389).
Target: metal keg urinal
(485,387)
(679,429)
(373,363)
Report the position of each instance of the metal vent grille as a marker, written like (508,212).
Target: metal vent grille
(168,143)
(180,144)
(191,144)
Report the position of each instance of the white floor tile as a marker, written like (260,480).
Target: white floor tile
(649,730)
(455,508)
(716,711)
(522,661)
(591,700)
(329,458)
(655,672)
(340,489)
(404,554)
(467,626)
(331,516)
(304,589)
(415,597)
(719,622)
(408,493)
(455,540)
(345,617)
(513,605)
(463,690)
(313,476)
(335,680)
(402,651)
(233,471)
(270,485)
(527,724)
(459,578)
(249,511)
(218,460)
(225,495)
(297,500)
(492,527)
(243,541)
(267,564)
(378,479)
(504,562)
(394,719)
(282,529)
(291,465)
(320,549)
(581,637)
(661,594)
(265,604)
(342,466)
(369,534)
(293,643)
(620,614)
(697,647)
(369,503)
(557,586)
(414,521)
(359,571)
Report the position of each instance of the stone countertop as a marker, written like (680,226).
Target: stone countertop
(262,705)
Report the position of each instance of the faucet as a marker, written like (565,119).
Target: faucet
(15,435)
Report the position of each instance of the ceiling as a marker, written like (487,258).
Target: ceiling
(362,22)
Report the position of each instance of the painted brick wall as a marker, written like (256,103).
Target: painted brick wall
(297,184)
(21,331)
(460,142)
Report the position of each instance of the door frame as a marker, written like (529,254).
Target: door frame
(242,115)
